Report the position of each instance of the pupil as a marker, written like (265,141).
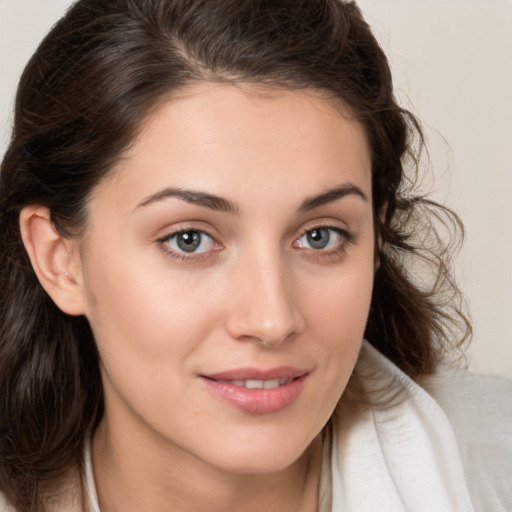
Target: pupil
(189,241)
(318,238)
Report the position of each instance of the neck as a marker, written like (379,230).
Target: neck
(131,477)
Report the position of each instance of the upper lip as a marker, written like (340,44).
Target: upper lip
(250,373)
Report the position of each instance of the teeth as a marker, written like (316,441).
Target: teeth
(257,384)
(271,384)
(254,384)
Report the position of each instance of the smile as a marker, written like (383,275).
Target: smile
(258,391)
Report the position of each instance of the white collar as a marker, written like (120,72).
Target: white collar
(90,486)
(397,454)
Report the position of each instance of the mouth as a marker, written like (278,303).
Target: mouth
(257,384)
(256,391)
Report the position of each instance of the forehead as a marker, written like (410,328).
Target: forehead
(241,140)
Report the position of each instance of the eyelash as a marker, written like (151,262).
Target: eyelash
(347,239)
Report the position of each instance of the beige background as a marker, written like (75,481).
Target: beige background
(452,62)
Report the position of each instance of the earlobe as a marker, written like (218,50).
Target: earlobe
(55,259)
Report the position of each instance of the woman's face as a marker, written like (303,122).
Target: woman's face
(227,271)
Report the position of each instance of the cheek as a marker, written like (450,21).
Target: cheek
(337,311)
(142,312)
(340,304)
(147,331)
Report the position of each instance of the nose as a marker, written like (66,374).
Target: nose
(264,308)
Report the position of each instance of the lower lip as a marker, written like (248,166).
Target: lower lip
(257,401)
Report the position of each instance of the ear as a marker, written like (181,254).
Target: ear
(55,259)
(382,212)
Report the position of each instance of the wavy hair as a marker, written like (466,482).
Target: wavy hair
(80,103)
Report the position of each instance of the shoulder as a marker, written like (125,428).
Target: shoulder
(479,408)
(391,435)
(476,405)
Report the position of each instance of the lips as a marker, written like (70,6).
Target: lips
(257,391)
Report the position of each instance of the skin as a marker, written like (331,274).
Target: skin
(256,294)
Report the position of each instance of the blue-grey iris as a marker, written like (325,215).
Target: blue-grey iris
(318,238)
(188,241)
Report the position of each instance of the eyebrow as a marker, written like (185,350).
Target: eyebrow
(196,197)
(217,203)
(346,189)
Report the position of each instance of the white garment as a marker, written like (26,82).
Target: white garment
(444,446)
(405,453)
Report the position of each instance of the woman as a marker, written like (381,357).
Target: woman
(205,210)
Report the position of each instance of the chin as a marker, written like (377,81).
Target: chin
(263,456)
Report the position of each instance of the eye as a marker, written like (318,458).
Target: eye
(321,239)
(189,242)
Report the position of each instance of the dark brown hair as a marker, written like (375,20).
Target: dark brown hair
(80,102)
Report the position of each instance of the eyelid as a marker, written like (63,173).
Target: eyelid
(343,231)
